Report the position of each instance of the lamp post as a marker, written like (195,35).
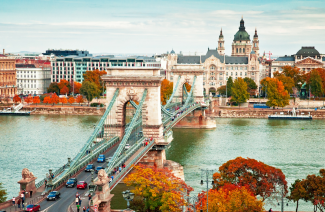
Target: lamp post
(206,172)
(128,196)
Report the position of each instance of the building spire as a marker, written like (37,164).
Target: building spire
(255,36)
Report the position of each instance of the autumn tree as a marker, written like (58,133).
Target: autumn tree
(63,100)
(47,100)
(288,82)
(276,94)
(239,91)
(229,86)
(64,83)
(158,189)
(89,90)
(36,100)
(222,90)
(29,99)
(54,99)
(187,86)
(64,90)
(251,85)
(230,198)
(75,87)
(95,77)
(261,179)
(166,90)
(71,100)
(295,74)
(297,192)
(79,99)
(53,88)
(16,98)
(3,194)
(315,82)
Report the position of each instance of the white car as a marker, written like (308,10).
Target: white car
(109,159)
(127,146)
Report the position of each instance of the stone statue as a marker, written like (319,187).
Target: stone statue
(102,176)
(27,174)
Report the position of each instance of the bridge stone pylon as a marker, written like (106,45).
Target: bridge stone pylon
(131,83)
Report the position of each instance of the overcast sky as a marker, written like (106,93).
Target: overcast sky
(157,26)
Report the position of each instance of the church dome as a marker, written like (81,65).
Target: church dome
(308,51)
(172,52)
(242,34)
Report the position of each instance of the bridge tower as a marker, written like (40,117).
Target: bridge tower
(132,81)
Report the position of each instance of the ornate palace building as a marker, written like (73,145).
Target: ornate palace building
(8,86)
(217,66)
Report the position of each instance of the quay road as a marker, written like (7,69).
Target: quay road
(68,195)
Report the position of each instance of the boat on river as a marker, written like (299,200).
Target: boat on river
(293,115)
(15,111)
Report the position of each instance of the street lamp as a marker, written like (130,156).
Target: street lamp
(128,196)
(207,172)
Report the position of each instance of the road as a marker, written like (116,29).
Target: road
(68,195)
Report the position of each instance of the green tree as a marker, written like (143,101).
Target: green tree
(239,91)
(222,90)
(3,194)
(54,88)
(89,90)
(251,85)
(316,85)
(230,83)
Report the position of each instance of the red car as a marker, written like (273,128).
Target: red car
(82,184)
(33,208)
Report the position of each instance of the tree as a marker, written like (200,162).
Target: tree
(79,99)
(297,192)
(71,100)
(75,87)
(166,90)
(261,179)
(276,94)
(64,83)
(53,88)
(54,99)
(16,98)
(239,91)
(229,86)
(90,90)
(222,90)
(295,74)
(3,194)
(36,100)
(159,189)
(230,198)
(63,100)
(315,82)
(188,86)
(29,99)
(251,85)
(95,76)
(64,90)
(47,100)
(288,82)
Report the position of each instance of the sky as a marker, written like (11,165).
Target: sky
(157,26)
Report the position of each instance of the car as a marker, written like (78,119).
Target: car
(127,146)
(90,167)
(53,195)
(72,182)
(109,159)
(98,168)
(33,208)
(82,185)
(101,159)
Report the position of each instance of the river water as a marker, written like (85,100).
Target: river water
(41,142)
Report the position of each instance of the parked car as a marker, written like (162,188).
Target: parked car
(127,146)
(98,168)
(90,167)
(101,159)
(54,195)
(82,185)
(33,208)
(71,183)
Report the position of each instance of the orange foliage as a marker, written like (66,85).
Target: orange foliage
(188,87)
(47,100)
(95,76)
(36,100)
(71,100)
(63,100)
(75,87)
(29,99)
(16,99)
(63,83)
(262,179)
(79,99)
(230,198)
(54,99)
(166,91)
(159,189)
(64,90)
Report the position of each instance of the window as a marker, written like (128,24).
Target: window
(252,68)
(231,73)
(220,73)
(241,73)
(212,68)
(236,73)
(226,78)
(245,68)
(220,83)
(236,68)
(245,73)
(243,50)
(226,73)
(241,68)
(220,45)
(239,50)
(231,68)
(227,68)
(252,73)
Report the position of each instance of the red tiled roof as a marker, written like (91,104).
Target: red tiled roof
(2,55)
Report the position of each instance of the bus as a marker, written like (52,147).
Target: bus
(261,106)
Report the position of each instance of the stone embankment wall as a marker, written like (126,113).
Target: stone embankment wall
(48,110)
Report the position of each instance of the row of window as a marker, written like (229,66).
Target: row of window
(24,76)
(63,72)
(29,81)
(27,72)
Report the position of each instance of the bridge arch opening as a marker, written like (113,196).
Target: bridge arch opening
(186,88)
(129,111)
(213,90)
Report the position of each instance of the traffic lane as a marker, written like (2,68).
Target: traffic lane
(68,194)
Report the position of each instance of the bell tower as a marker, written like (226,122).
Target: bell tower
(256,43)
(221,44)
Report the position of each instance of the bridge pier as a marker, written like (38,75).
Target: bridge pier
(196,119)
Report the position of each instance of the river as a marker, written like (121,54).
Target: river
(42,142)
